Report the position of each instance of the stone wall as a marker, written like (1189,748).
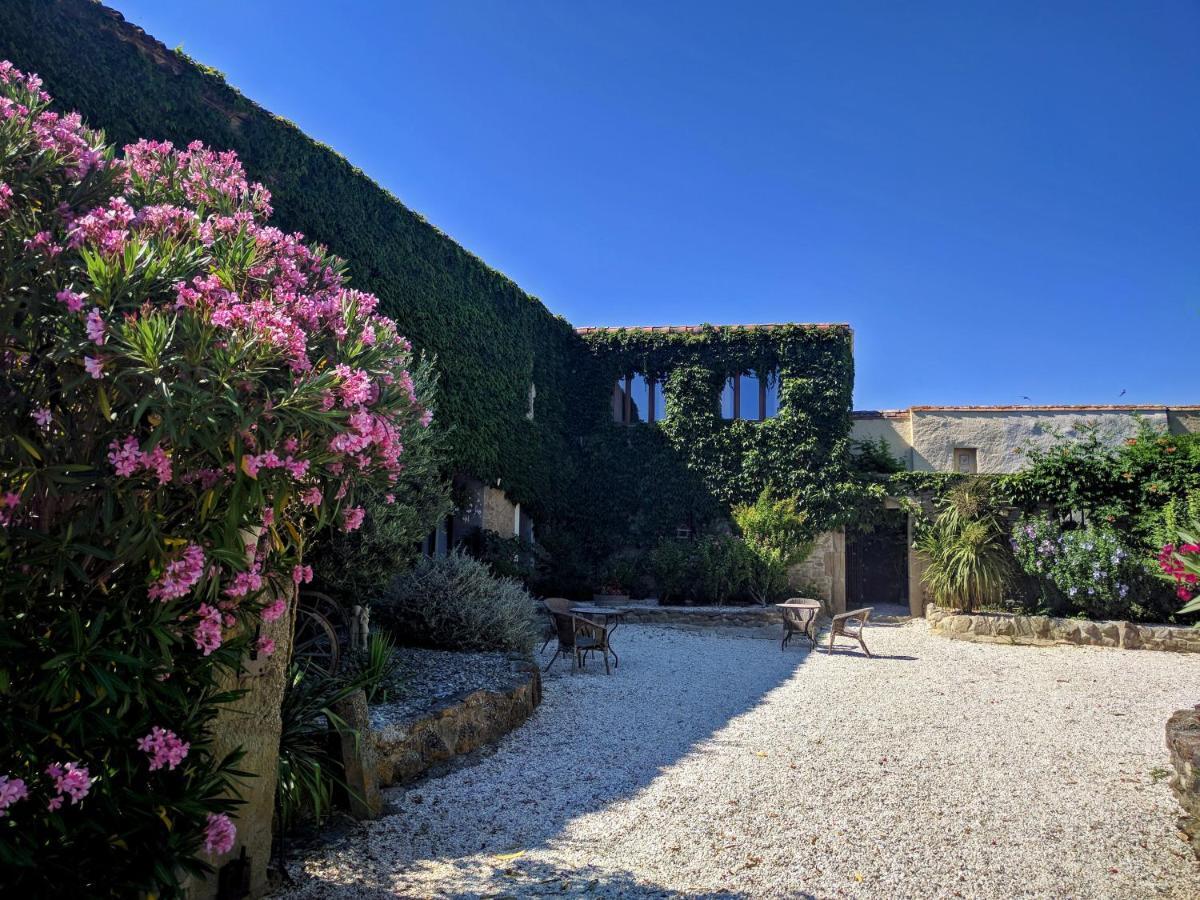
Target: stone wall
(406,750)
(1183,741)
(1003,628)
(749,616)
(499,513)
(824,571)
(999,435)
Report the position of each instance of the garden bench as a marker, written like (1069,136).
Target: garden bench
(851,624)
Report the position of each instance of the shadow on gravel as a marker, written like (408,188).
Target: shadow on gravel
(596,740)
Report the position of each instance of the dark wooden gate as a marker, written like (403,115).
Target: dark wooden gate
(877,562)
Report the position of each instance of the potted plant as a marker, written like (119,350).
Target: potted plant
(615,579)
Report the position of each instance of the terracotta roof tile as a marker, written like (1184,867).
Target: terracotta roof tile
(693,329)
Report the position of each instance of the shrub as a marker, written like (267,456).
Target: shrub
(720,569)
(359,565)
(513,557)
(966,547)
(456,603)
(776,537)
(669,564)
(1089,571)
(188,395)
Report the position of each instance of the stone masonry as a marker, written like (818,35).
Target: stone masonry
(1183,740)
(1004,628)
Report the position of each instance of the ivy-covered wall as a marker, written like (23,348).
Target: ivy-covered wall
(644,480)
(490,337)
(591,485)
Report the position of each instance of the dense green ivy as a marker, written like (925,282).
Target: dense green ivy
(694,465)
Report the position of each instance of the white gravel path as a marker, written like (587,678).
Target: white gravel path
(715,765)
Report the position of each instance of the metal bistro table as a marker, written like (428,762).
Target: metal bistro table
(615,614)
(799,617)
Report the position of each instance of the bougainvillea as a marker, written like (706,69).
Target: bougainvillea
(189,394)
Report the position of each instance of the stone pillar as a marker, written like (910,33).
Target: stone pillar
(916,569)
(1183,742)
(358,758)
(252,723)
(824,571)
(837,572)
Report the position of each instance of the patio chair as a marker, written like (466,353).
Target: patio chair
(591,637)
(851,625)
(554,605)
(577,636)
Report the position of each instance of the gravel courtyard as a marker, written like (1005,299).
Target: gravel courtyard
(713,765)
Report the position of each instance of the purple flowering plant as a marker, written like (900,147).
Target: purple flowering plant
(1089,569)
(190,394)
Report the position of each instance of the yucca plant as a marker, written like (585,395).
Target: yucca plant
(309,768)
(968,558)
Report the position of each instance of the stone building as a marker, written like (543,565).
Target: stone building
(971,440)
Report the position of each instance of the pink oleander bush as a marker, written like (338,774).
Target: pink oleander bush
(189,394)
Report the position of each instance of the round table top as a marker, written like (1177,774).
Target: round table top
(801,604)
(590,610)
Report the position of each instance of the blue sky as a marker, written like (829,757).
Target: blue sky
(1003,200)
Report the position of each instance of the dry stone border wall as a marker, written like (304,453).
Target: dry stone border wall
(1005,628)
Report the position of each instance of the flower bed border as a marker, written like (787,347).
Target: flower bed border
(406,750)
(1008,628)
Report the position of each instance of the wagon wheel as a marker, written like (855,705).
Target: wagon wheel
(333,612)
(316,643)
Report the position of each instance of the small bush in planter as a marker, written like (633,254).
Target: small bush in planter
(456,603)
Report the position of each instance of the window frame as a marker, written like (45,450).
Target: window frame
(734,382)
(624,384)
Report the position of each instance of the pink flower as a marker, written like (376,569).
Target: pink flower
(42,416)
(180,576)
(126,456)
(266,646)
(5,202)
(245,582)
(95,327)
(219,834)
(207,633)
(159,463)
(73,300)
(389,499)
(55,803)
(71,779)
(9,501)
(164,747)
(11,790)
(275,610)
(312,497)
(352,518)
(302,574)
(94,366)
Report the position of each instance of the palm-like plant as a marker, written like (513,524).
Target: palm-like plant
(968,558)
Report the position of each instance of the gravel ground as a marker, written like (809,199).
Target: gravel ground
(715,765)
(431,678)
